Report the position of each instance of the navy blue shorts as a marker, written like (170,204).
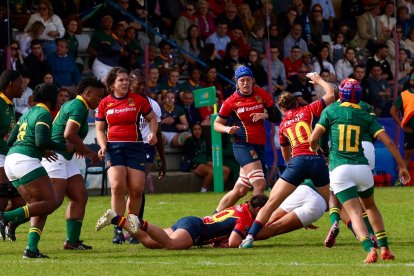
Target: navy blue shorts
(193,225)
(128,154)
(246,153)
(303,167)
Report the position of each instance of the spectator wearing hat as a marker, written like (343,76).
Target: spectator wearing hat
(307,61)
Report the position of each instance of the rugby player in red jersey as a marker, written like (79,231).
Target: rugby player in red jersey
(247,107)
(119,135)
(302,163)
(229,226)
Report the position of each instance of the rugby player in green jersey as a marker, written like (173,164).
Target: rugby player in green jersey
(71,126)
(30,140)
(11,86)
(350,175)
(337,213)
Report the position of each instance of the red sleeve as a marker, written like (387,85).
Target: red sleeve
(100,115)
(244,223)
(225,110)
(317,107)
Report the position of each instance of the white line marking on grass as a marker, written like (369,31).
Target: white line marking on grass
(207,263)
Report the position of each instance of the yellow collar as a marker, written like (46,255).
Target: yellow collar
(347,104)
(44,106)
(79,97)
(4,97)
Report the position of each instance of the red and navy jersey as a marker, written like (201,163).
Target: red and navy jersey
(296,127)
(240,107)
(122,116)
(220,225)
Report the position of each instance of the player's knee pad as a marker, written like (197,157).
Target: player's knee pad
(4,190)
(243,180)
(256,175)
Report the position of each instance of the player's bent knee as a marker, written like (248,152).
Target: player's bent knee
(243,180)
(256,177)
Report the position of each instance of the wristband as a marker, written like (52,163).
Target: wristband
(227,129)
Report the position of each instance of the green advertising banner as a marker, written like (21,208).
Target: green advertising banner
(205,96)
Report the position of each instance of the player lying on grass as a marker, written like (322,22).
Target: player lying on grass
(231,223)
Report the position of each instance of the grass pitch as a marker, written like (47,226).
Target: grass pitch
(295,253)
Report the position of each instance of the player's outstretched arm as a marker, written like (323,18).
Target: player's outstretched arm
(329,96)
(404,175)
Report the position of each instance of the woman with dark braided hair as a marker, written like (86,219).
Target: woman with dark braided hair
(30,140)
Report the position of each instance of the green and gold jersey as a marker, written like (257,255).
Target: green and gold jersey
(347,123)
(366,107)
(75,111)
(31,135)
(7,121)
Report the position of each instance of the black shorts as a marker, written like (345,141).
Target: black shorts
(7,190)
(408,141)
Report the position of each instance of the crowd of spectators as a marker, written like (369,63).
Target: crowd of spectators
(279,40)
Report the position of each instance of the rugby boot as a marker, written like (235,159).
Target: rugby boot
(386,254)
(76,246)
(105,220)
(247,243)
(333,233)
(372,256)
(34,255)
